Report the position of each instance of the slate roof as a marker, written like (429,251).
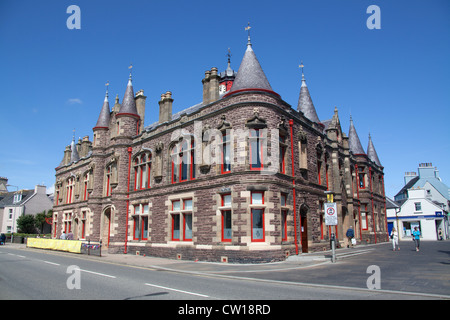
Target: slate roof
(305,103)
(7,199)
(105,115)
(250,74)
(128,102)
(74,156)
(371,153)
(353,140)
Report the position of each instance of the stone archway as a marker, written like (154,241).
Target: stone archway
(304,227)
(105,229)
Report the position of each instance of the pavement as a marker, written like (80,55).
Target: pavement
(301,261)
(420,274)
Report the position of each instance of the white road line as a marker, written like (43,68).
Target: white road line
(53,263)
(99,274)
(20,256)
(182,291)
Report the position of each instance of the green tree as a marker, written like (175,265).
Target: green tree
(26,224)
(40,219)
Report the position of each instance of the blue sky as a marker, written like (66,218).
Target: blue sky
(395,81)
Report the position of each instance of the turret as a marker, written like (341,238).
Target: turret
(128,119)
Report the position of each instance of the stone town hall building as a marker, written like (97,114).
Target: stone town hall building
(241,176)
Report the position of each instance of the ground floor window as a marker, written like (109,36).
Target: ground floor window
(226,225)
(140,222)
(181,217)
(408,227)
(257,225)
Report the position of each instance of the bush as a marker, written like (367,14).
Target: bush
(26,224)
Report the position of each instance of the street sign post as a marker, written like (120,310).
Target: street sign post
(331,220)
(331,214)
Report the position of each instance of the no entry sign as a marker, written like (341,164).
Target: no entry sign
(330,214)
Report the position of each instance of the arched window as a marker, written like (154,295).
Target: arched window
(142,171)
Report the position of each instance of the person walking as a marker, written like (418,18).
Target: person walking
(440,235)
(416,237)
(394,238)
(350,235)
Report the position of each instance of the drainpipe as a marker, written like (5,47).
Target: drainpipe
(373,212)
(291,123)
(359,207)
(385,213)
(128,198)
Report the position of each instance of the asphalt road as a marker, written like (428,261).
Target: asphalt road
(45,275)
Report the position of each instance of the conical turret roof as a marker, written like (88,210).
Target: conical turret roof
(74,156)
(105,115)
(305,103)
(353,140)
(371,153)
(250,74)
(128,103)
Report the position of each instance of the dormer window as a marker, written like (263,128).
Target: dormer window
(17,197)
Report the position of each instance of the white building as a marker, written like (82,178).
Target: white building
(21,202)
(418,210)
(424,202)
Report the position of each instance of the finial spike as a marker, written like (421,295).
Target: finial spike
(247,28)
(131,69)
(107,90)
(301,66)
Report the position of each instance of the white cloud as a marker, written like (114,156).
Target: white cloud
(74,101)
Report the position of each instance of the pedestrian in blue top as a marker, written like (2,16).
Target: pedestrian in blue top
(416,237)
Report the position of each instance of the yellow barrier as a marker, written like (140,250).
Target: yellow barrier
(55,244)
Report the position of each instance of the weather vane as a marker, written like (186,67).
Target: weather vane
(247,28)
(301,65)
(229,54)
(107,87)
(130,67)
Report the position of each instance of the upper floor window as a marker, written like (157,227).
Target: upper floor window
(282,153)
(85,186)
(70,189)
(256,149)
(142,170)
(361,178)
(226,153)
(183,161)
(417,206)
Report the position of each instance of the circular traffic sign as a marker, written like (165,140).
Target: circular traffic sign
(330,211)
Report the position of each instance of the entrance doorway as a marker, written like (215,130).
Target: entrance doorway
(304,228)
(106,227)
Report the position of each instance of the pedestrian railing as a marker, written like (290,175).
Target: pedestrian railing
(92,248)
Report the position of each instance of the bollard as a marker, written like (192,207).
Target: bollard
(333,248)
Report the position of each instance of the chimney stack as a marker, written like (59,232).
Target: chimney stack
(211,86)
(165,107)
(409,176)
(140,106)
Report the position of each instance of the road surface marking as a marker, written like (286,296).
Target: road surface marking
(187,292)
(99,274)
(53,263)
